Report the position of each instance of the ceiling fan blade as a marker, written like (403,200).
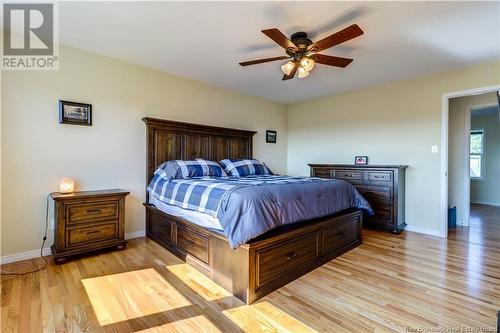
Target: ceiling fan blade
(331,60)
(344,35)
(279,38)
(260,61)
(292,73)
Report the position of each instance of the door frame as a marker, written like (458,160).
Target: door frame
(445,113)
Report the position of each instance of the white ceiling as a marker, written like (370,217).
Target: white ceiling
(205,41)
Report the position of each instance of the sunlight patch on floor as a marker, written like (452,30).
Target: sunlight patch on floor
(258,317)
(194,324)
(265,317)
(198,282)
(135,294)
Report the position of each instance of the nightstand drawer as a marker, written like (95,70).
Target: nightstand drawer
(88,212)
(83,235)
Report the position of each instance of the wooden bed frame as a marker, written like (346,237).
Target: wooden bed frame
(265,263)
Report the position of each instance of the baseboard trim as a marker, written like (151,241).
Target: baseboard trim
(487,203)
(23,256)
(46,251)
(430,232)
(135,234)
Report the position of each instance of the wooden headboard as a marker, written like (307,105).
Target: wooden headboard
(173,140)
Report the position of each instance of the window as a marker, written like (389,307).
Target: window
(476,153)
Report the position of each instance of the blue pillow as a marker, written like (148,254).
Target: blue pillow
(177,169)
(242,167)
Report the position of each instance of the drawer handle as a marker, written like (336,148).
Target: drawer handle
(291,255)
(93,232)
(93,211)
(340,234)
(379,176)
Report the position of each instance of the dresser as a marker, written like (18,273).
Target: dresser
(87,221)
(383,186)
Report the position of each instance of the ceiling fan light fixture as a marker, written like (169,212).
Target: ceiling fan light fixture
(303,72)
(288,67)
(307,63)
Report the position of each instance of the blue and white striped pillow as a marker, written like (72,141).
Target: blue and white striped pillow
(177,169)
(242,168)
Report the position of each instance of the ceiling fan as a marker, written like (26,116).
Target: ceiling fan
(303,53)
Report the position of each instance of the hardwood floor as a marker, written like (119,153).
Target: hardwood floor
(390,283)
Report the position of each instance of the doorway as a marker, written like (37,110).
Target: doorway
(473,131)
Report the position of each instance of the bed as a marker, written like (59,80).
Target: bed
(250,269)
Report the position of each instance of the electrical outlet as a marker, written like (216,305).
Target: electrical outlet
(434,149)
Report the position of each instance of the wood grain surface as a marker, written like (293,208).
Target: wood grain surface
(391,283)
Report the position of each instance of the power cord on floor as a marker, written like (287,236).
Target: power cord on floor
(41,248)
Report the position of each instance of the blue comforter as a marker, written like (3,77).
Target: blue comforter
(249,206)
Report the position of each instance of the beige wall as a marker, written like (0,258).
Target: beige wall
(458,151)
(37,151)
(395,123)
(487,190)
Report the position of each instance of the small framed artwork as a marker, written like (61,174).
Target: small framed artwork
(75,113)
(361,160)
(271,136)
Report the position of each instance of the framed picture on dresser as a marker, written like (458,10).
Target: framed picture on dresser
(361,160)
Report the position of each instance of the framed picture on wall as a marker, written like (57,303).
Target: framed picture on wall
(75,113)
(361,160)
(271,136)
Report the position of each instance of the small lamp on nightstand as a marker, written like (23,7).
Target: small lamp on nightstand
(67,186)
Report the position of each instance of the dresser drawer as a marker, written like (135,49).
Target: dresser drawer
(322,173)
(340,235)
(372,193)
(193,243)
(89,234)
(383,211)
(351,176)
(277,260)
(379,176)
(92,211)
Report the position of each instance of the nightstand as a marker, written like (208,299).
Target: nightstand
(87,221)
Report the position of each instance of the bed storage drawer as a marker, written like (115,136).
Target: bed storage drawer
(192,242)
(161,228)
(279,259)
(338,236)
